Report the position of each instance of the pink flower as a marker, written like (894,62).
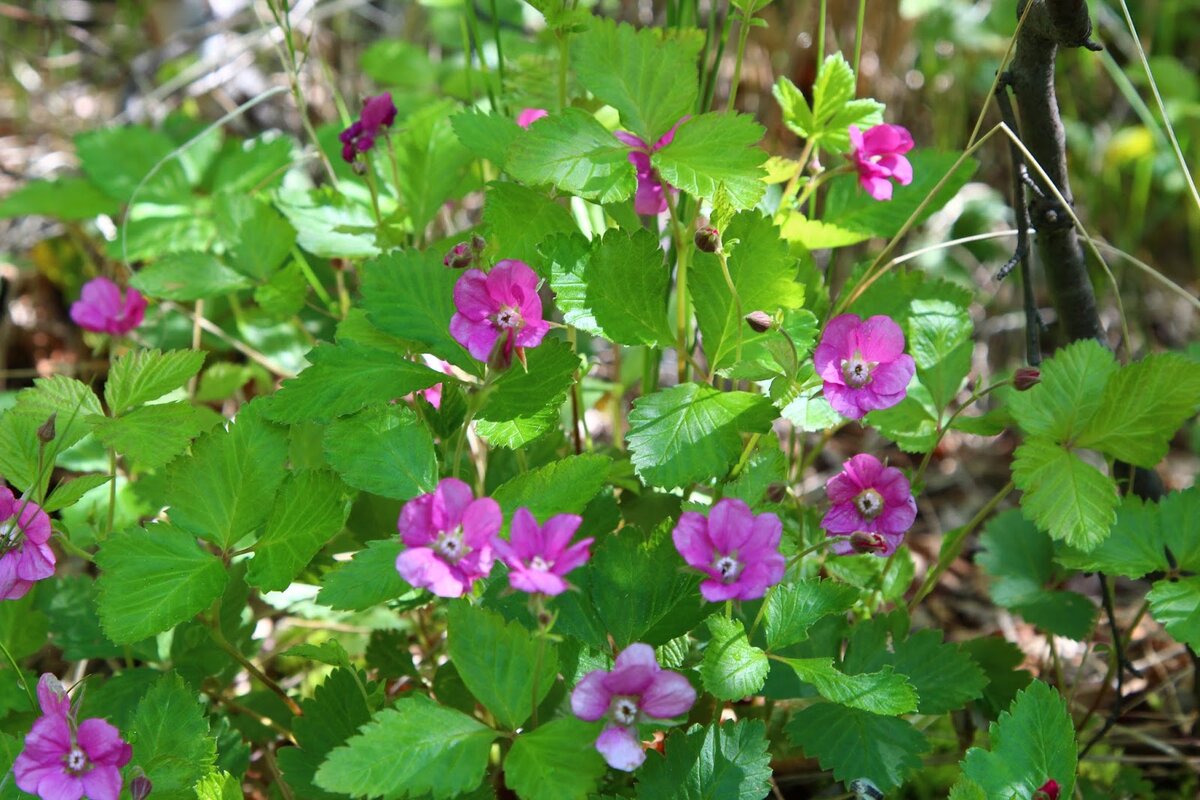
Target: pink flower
(25,556)
(433,395)
(863,364)
(636,690)
(869,498)
(62,761)
(1048,791)
(878,155)
(449,538)
(104,309)
(498,312)
(529,116)
(649,198)
(738,551)
(539,557)
(378,112)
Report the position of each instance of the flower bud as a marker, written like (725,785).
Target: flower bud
(864,542)
(1025,378)
(140,787)
(478,243)
(760,321)
(708,240)
(460,256)
(45,433)
(777,492)
(1048,791)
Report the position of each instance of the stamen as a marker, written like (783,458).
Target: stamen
(624,710)
(869,503)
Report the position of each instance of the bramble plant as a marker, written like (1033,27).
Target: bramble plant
(526,442)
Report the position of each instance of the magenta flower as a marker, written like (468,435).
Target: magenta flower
(539,557)
(103,308)
(25,556)
(738,551)
(498,312)
(863,364)
(529,116)
(878,155)
(650,198)
(62,761)
(636,690)
(378,112)
(449,538)
(869,498)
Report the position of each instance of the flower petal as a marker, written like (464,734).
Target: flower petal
(880,339)
(481,521)
(416,521)
(525,536)
(451,500)
(590,699)
(471,296)
(102,742)
(729,524)
(421,567)
(621,748)
(668,696)
(102,783)
(557,533)
(692,540)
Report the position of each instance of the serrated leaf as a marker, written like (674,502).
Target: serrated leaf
(332,715)
(519,219)
(22,627)
(253,163)
(1072,387)
(150,436)
(650,78)
(370,579)
(1142,407)
(912,423)
(140,376)
(833,109)
(524,404)
(153,578)
(692,433)
(885,692)
(66,494)
(219,785)
(944,677)
(431,163)
(939,340)
(726,762)
(346,378)
(1032,742)
(1176,604)
(188,276)
(1067,498)
(66,199)
(575,153)
(615,286)
(486,134)
(794,608)
(225,490)
(445,754)
(565,486)
(118,159)
(505,685)
(170,739)
(711,151)
(732,667)
(1179,515)
(72,402)
(1001,662)
(309,509)
(384,450)
(257,237)
(555,761)
(853,743)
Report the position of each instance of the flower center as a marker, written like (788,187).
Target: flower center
(729,567)
(10,534)
(856,371)
(869,503)
(540,564)
(75,761)
(449,545)
(508,318)
(624,710)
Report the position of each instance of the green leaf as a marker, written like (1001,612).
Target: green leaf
(73,402)
(328,225)
(22,627)
(369,580)
(152,579)
(939,340)
(257,237)
(487,135)
(884,692)
(75,624)
(431,162)
(384,450)
(219,785)
(966,789)
(564,486)
(615,287)
(1070,392)
(284,293)
(140,376)
(519,219)
(804,405)
(943,675)
(151,436)
(732,668)
(1032,742)
(117,159)
(328,652)
(524,404)
(504,684)
(1067,498)
(332,715)
(716,150)
(576,154)
(692,433)
(67,494)
(1180,519)
(555,761)
(834,108)
(66,199)
(309,509)
(1001,663)
(1142,407)
(726,762)
(346,378)
(814,234)
(650,78)
(445,754)
(188,276)
(912,423)
(225,490)
(253,163)
(410,295)
(794,608)
(170,739)
(1176,604)
(853,743)
(764,274)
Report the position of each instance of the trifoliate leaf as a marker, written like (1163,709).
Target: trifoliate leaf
(732,668)
(726,762)
(555,761)
(151,436)
(1067,498)
(944,677)
(431,162)
(188,276)
(257,237)
(939,340)
(1001,663)
(858,744)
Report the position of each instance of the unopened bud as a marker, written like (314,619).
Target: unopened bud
(359,167)
(45,433)
(777,492)
(140,787)
(459,257)
(478,243)
(760,321)
(1048,791)
(863,542)
(708,240)
(1025,378)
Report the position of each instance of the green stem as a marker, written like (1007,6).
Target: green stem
(746,451)
(821,32)
(214,629)
(710,81)
(858,35)
(821,545)
(758,617)
(473,24)
(974,398)
(683,309)
(33,703)
(564,46)
(112,492)
(743,37)
(737,304)
(499,48)
(311,277)
(370,176)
